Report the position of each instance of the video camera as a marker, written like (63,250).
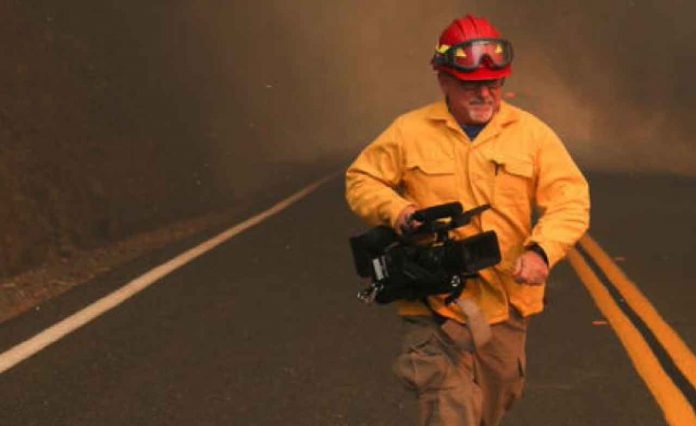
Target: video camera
(426,261)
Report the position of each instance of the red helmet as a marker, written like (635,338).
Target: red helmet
(470,48)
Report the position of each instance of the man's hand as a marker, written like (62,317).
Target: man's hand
(404,223)
(530,269)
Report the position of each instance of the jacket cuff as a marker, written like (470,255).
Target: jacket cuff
(536,248)
(554,251)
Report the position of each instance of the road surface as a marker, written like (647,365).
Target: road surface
(265,329)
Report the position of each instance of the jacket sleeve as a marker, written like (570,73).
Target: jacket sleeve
(562,198)
(373,179)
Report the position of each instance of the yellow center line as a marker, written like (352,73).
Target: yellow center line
(676,409)
(679,351)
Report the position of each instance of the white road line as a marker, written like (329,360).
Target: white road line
(24,350)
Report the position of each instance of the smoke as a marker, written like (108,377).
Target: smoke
(302,80)
(611,77)
(305,80)
(117,115)
(243,85)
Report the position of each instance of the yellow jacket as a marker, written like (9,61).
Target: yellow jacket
(515,164)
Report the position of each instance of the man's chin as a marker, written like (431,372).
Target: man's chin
(480,117)
(476,115)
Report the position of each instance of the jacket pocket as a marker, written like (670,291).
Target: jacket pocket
(431,181)
(514,180)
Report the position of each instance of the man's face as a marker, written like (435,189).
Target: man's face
(471,102)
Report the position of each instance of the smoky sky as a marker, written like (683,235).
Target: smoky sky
(614,78)
(244,83)
(307,78)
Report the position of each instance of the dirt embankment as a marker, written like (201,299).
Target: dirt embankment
(126,125)
(89,154)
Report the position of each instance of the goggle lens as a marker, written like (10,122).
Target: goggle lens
(470,55)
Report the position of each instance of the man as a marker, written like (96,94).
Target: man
(474,148)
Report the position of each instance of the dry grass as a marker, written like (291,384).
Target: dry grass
(29,289)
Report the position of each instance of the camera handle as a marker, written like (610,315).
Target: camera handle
(441,228)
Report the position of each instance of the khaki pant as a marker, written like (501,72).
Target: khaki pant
(455,386)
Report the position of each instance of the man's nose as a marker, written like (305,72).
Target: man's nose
(484,91)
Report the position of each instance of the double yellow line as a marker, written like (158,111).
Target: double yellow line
(675,403)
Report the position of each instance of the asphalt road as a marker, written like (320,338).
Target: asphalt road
(266,330)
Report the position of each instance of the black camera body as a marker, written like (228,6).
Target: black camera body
(426,261)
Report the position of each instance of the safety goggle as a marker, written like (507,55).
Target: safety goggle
(468,56)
